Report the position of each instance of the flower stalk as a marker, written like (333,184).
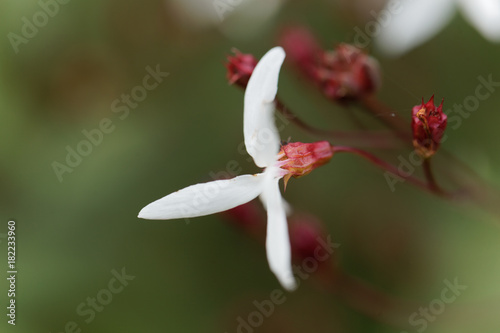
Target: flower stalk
(429,186)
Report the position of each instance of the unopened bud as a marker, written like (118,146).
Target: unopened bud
(248,217)
(301,48)
(428,125)
(305,233)
(347,73)
(240,67)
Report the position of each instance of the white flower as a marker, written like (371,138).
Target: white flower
(234,18)
(419,20)
(263,144)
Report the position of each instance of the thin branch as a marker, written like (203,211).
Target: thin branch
(474,187)
(429,175)
(374,140)
(368,300)
(386,115)
(389,167)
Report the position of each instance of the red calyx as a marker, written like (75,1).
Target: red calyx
(299,159)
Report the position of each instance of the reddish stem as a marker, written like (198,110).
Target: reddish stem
(429,175)
(368,300)
(475,188)
(387,116)
(389,167)
(375,140)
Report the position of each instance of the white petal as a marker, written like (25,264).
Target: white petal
(205,199)
(249,18)
(286,206)
(278,242)
(414,23)
(485,16)
(193,13)
(261,136)
(271,173)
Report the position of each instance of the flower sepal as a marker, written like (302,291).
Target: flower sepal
(298,159)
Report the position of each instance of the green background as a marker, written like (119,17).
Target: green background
(200,276)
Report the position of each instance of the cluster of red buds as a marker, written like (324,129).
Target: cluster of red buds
(346,73)
(428,125)
(343,75)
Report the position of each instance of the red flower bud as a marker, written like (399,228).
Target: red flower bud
(249,217)
(305,232)
(301,48)
(347,73)
(428,125)
(298,159)
(240,67)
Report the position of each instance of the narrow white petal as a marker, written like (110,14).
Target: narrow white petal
(205,199)
(413,24)
(272,173)
(286,206)
(485,16)
(261,136)
(277,242)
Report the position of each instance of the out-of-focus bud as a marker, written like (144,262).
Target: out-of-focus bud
(347,73)
(297,159)
(309,240)
(240,67)
(302,49)
(428,125)
(248,217)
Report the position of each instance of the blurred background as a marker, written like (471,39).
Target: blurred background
(76,217)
